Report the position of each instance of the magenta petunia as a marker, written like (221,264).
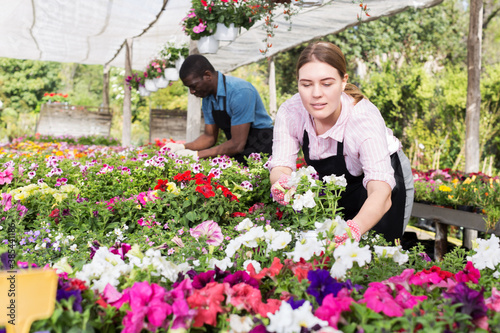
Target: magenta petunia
(470,273)
(378,298)
(6,176)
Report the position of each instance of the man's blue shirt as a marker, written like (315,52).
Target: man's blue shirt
(244,104)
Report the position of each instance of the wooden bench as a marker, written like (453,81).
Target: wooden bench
(443,217)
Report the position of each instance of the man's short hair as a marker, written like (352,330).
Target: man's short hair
(196,65)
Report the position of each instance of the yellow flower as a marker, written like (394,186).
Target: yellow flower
(59,196)
(172,187)
(444,188)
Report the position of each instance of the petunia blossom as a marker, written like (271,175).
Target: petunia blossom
(208,230)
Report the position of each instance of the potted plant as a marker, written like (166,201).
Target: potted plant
(154,75)
(206,17)
(174,57)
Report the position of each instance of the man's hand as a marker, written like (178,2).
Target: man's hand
(279,188)
(187,152)
(353,232)
(173,147)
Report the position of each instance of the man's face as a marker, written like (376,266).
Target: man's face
(198,86)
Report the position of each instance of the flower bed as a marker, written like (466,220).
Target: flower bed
(475,192)
(144,240)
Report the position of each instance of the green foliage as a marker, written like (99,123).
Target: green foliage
(23,82)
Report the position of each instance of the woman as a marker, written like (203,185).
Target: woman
(342,132)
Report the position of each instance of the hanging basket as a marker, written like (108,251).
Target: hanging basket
(226,34)
(171,74)
(150,85)
(143,91)
(160,82)
(208,44)
(179,62)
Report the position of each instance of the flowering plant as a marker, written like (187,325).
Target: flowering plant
(171,52)
(105,221)
(135,80)
(155,69)
(202,18)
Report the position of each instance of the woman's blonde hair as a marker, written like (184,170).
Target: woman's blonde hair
(331,54)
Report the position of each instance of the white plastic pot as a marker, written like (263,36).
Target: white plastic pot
(160,82)
(171,74)
(150,85)
(178,63)
(143,91)
(208,44)
(226,34)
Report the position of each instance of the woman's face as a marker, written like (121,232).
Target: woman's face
(320,88)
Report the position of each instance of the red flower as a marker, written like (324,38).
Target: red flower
(52,94)
(238,214)
(55,215)
(183,177)
(162,185)
(279,213)
(202,179)
(204,3)
(78,284)
(206,190)
(208,301)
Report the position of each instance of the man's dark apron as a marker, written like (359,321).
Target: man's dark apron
(391,224)
(260,140)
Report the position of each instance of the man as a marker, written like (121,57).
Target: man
(230,104)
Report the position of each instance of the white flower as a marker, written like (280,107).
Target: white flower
(340,180)
(331,227)
(350,252)
(287,320)
(305,200)
(240,324)
(104,268)
(306,248)
(338,270)
(233,246)
(255,264)
(62,265)
(394,252)
(252,237)
(278,240)
(487,253)
(246,224)
(222,264)
(73,247)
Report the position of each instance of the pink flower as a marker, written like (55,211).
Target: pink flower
(209,230)
(6,176)
(146,301)
(199,28)
(400,280)
(115,298)
(407,300)
(470,273)
(332,307)
(493,302)
(244,296)
(378,298)
(6,201)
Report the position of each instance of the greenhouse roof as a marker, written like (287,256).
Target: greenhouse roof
(94,31)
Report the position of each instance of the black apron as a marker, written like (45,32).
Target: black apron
(355,194)
(259,140)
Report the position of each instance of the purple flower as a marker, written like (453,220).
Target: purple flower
(202,279)
(322,284)
(239,277)
(472,300)
(66,293)
(295,304)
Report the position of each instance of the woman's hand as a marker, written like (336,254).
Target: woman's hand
(279,188)
(354,232)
